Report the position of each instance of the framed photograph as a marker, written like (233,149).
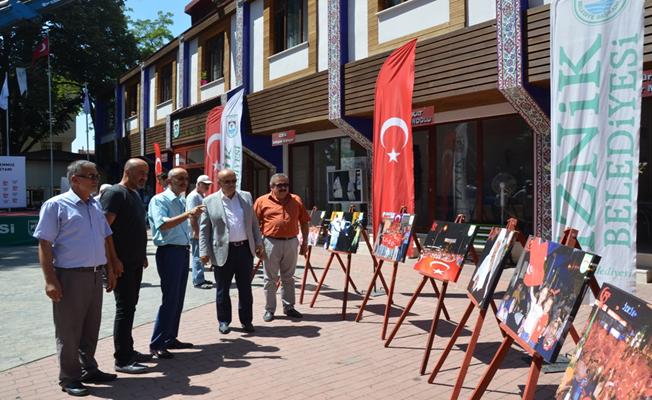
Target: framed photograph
(346,185)
(545,293)
(445,249)
(318,228)
(490,266)
(393,240)
(613,359)
(344,231)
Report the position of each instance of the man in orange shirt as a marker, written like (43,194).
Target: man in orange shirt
(280,214)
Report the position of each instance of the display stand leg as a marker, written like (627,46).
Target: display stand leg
(407,310)
(376,263)
(321,281)
(307,268)
(433,328)
(493,367)
(436,289)
(468,355)
(451,342)
(533,377)
(369,289)
(346,285)
(339,259)
(256,268)
(574,335)
(390,296)
(495,310)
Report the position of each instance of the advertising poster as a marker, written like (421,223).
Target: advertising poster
(13,193)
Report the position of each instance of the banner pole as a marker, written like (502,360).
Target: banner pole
(50,117)
(7,110)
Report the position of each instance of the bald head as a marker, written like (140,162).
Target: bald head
(134,163)
(178,178)
(228,180)
(135,174)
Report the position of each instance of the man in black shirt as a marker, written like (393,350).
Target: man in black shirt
(126,214)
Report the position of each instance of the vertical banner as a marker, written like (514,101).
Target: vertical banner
(596,77)
(232,143)
(212,160)
(393,157)
(13,193)
(158,167)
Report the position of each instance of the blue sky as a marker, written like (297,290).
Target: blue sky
(142,9)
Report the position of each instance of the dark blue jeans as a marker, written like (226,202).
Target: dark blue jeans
(172,264)
(239,263)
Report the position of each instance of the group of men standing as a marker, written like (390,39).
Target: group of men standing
(226,229)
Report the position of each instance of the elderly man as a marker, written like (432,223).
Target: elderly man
(230,237)
(126,214)
(74,244)
(280,214)
(169,222)
(195,199)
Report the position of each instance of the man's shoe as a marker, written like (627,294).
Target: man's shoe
(75,389)
(292,313)
(268,316)
(161,354)
(205,285)
(133,368)
(180,345)
(224,328)
(249,328)
(97,376)
(140,357)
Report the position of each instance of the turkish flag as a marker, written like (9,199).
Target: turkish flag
(212,159)
(158,167)
(393,159)
(42,50)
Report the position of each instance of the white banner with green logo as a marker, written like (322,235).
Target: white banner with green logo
(232,143)
(596,67)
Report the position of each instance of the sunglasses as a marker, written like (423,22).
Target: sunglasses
(229,181)
(92,177)
(282,185)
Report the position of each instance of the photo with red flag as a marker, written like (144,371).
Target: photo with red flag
(158,167)
(213,159)
(393,158)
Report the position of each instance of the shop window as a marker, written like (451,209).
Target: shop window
(131,101)
(165,83)
(644,214)
(213,68)
(390,3)
(290,23)
(195,156)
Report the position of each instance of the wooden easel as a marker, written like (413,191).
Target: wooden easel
(511,226)
(390,293)
(440,305)
(569,239)
(347,272)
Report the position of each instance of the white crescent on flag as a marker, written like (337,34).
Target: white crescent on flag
(390,122)
(212,139)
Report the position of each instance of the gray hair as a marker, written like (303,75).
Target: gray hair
(75,167)
(279,175)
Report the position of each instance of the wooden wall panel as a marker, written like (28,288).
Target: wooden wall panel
(455,65)
(191,129)
(538,42)
(134,145)
(155,134)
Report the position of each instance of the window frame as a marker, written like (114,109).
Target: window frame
(280,9)
(386,4)
(207,62)
(161,80)
(131,101)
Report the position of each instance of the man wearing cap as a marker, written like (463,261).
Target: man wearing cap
(193,200)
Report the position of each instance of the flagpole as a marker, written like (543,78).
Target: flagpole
(47,32)
(88,154)
(7,110)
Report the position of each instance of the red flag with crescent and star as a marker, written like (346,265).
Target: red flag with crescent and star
(393,158)
(212,159)
(158,167)
(42,50)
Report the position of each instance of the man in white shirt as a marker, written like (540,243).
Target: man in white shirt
(229,237)
(195,199)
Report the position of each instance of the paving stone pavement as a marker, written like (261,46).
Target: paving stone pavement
(318,357)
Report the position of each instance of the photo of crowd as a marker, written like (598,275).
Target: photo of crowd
(614,357)
(344,231)
(445,249)
(393,239)
(318,228)
(545,293)
(485,278)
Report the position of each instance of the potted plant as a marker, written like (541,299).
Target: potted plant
(204,78)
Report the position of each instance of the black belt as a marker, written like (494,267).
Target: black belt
(97,268)
(238,244)
(281,238)
(173,246)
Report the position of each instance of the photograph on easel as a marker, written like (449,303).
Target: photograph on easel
(545,293)
(393,239)
(485,278)
(344,231)
(445,249)
(613,359)
(318,228)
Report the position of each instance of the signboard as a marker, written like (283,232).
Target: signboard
(423,116)
(17,229)
(281,138)
(176,124)
(647,83)
(12,182)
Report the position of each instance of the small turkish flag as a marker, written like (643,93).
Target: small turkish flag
(158,167)
(212,160)
(393,162)
(42,50)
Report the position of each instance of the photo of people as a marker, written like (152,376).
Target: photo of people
(486,275)
(613,359)
(393,239)
(345,186)
(445,249)
(344,231)
(545,292)
(318,228)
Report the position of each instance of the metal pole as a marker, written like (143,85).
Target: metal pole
(88,153)
(7,110)
(50,117)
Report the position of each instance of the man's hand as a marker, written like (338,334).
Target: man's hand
(303,250)
(260,251)
(111,280)
(195,235)
(118,268)
(204,259)
(195,211)
(53,289)
(145,263)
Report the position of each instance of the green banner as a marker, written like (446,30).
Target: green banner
(17,230)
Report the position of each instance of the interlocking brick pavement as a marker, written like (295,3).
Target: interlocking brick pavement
(318,357)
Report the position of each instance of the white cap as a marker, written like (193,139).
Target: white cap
(204,179)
